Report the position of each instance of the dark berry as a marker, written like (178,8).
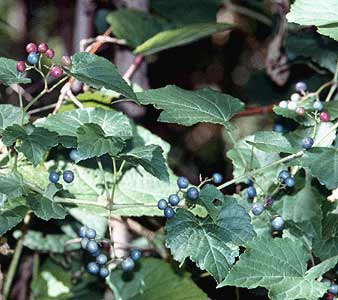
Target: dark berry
(169,212)
(290,182)
(33,58)
(268,202)
(56,72)
(83,231)
(66,61)
(300,111)
(329,296)
(318,105)
(324,116)
(93,268)
(96,253)
(333,289)
(249,182)
(182,182)
(217,178)
(74,155)
(257,208)
(174,199)
(31,47)
(193,194)
(251,192)
(68,176)
(127,265)
(104,272)
(42,48)
(278,128)
(283,175)
(307,143)
(90,233)
(135,254)
(21,66)
(54,177)
(50,53)
(84,243)
(101,259)
(162,204)
(301,87)
(92,246)
(277,223)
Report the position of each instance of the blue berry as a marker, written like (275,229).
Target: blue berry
(127,265)
(96,253)
(182,182)
(169,212)
(318,105)
(90,233)
(307,143)
(104,272)
(283,175)
(101,259)
(162,204)
(277,223)
(83,231)
(68,176)
(74,155)
(54,177)
(217,178)
(92,246)
(84,243)
(290,182)
(251,192)
(193,194)
(301,87)
(135,254)
(93,268)
(249,182)
(33,58)
(174,199)
(257,208)
(278,128)
(333,289)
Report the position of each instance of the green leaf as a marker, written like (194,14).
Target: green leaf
(327,245)
(52,243)
(93,142)
(280,265)
(12,185)
(134,26)
(323,164)
(270,141)
(8,73)
(151,158)
(113,123)
(178,37)
(212,245)
(143,285)
(287,113)
(10,218)
(312,12)
(45,208)
(35,142)
(99,72)
(190,11)
(208,195)
(190,107)
(10,115)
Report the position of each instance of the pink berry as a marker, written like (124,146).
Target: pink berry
(31,47)
(66,61)
(21,66)
(300,111)
(42,48)
(324,116)
(56,72)
(50,53)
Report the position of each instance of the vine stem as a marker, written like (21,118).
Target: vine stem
(15,260)
(334,86)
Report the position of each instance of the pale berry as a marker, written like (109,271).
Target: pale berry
(295,97)
(66,61)
(300,111)
(301,87)
(283,104)
(292,105)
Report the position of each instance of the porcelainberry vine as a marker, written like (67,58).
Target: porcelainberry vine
(72,157)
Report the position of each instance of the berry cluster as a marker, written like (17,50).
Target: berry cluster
(128,264)
(286,178)
(88,242)
(68,176)
(295,103)
(35,52)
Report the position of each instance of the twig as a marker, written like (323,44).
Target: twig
(74,99)
(133,67)
(100,38)
(40,109)
(62,96)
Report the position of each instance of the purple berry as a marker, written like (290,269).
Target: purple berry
(56,72)
(324,116)
(21,66)
(301,87)
(50,53)
(31,47)
(42,48)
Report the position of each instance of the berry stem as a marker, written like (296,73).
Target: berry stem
(334,86)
